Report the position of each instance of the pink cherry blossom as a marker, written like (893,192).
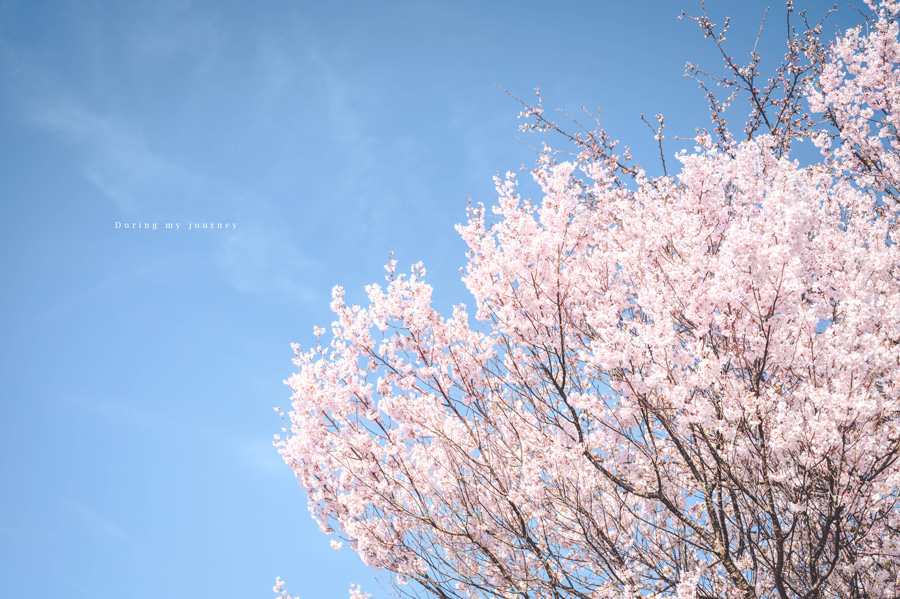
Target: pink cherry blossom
(679,386)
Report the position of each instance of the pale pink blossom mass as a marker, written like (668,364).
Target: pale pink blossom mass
(677,386)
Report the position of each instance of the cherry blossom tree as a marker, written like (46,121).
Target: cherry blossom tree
(675,386)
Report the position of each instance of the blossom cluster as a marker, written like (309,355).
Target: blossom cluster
(679,386)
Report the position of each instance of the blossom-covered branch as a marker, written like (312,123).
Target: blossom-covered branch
(683,386)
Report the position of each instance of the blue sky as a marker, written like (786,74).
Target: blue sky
(140,367)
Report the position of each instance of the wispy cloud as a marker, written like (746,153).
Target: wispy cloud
(97,524)
(117,158)
(143,183)
(253,452)
(370,168)
(256,259)
(122,412)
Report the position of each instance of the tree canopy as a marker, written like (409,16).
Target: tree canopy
(678,386)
